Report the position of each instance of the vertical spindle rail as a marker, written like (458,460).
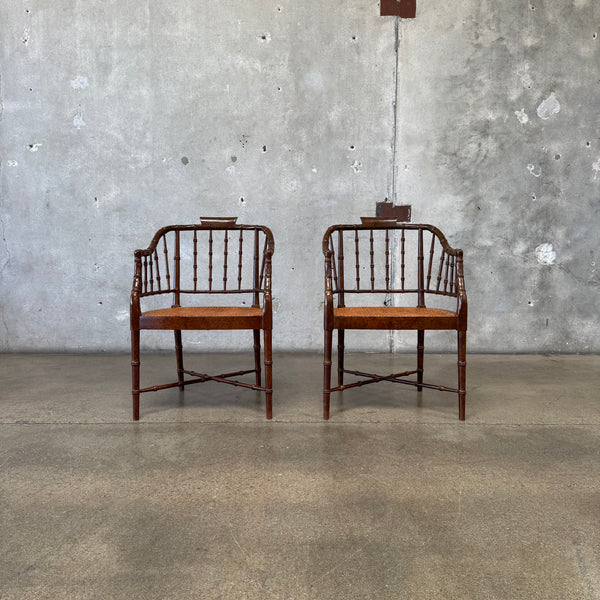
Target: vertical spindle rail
(430,265)
(387,260)
(333,264)
(263,266)
(166,253)
(440,270)
(240,260)
(372,251)
(357,253)
(195,260)
(145,274)
(341,267)
(446,273)
(420,270)
(177,259)
(151,263)
(402,259)
(225,256)
(255,270)
(210,260)
(158,284)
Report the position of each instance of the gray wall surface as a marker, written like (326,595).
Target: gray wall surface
(117,118)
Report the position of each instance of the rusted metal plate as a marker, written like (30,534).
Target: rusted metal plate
(400,213)
(407,9)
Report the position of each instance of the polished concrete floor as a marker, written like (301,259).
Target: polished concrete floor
(392,498)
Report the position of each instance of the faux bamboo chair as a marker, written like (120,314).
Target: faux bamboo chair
(389,261)
(216,259)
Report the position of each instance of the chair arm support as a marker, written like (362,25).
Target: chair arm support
(267,298)
(462,304)
(136,289)
(328,303)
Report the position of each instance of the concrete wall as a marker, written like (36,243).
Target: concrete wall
(119,117)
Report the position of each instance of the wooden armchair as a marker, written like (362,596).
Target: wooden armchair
(215,259)
(389,261)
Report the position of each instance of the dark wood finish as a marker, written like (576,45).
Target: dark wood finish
(429,268)
(215,259)
(407,9)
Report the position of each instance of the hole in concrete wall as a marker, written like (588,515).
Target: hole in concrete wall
(352,148)
(242,200)
(264,148)
(588,144)
(233,158)
(557,157)
(533,197)
(595,36)
(532,7)
(185,160)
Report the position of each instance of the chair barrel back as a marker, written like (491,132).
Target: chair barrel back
(205,259)
(399,258)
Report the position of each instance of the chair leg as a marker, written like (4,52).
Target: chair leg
(268,373)
(257,356)
(327,373)
(462,373)
(420,355)
(341,346)
(135,372)
(179,355)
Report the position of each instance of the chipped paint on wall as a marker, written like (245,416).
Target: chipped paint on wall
(79,83)
(522,116)
(545,254)
(78,121)
(596,168)
(549,107)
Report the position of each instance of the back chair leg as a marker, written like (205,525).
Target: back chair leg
(257,356)
(462,373)
(268,373)
(420,355)
(179,355)
(135,372)
(341,345)
(327,373)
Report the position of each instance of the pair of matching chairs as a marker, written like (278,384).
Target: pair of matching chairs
(368,268)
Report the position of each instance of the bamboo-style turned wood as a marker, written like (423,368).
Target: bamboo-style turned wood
(436,270)
(188,259)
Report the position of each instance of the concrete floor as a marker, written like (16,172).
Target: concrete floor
(393,498)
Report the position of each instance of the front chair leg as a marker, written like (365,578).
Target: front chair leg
(420,356)
(257,356)
(268,373)
(341,346)
(179,356)
(327,373)
(135,372)
(462,373)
